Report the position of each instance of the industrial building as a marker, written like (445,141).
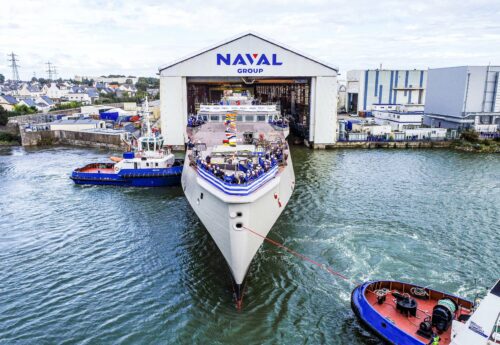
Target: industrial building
(368,87)
(76,125)
(464,97)
(305,88)
(397,116)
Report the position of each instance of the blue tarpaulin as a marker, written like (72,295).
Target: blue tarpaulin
(109,115)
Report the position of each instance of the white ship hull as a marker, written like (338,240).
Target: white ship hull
(226,217)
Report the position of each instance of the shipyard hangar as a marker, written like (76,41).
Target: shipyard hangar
(304,88)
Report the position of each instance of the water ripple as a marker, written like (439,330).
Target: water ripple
(92,265)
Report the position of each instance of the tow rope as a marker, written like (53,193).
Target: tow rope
(303,257)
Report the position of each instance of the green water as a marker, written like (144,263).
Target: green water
(106,265)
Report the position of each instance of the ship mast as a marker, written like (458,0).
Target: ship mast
(146,112)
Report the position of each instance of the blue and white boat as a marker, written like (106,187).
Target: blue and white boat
(150,165)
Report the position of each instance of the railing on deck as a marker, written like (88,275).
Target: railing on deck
(238,189)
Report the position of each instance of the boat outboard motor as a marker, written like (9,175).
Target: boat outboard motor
(443,314)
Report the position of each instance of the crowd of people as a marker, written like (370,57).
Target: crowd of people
(246,170)
(194,121)
(281,122)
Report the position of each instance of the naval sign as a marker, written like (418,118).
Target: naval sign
(254,59)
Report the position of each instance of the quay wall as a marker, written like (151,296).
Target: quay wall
(85,139)
(389,145)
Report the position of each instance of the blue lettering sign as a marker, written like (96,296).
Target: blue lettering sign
(275,61)
(226,60)
(250,70)
(263,60)
(250,59)
(238,60)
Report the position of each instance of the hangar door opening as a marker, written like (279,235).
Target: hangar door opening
(291,94)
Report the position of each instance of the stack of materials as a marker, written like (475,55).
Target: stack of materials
(230,124)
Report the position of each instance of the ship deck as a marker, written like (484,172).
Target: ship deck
(212,133)
(410,324)
(98,171)
(247,164)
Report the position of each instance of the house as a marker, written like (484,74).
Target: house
(29,102)
(45,100)
(153,92)
(39,103)
(29,91)
(7,102)
(93,94)
(128,90)
(100,85)
(107,91)
(56,92)
(77,94)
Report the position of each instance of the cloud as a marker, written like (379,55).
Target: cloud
(95,37)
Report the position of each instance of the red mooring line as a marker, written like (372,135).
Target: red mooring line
(303,257)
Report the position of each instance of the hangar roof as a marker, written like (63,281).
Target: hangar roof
(282,60)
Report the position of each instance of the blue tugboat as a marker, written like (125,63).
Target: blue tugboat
(149,166)
(403,313)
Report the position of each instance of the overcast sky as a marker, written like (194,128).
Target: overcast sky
(94,37)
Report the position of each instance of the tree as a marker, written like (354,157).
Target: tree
(470,135)
(4,116)
(141,85)
(141,94)
(24,109)
(69,105)
(144,83)
(2,79)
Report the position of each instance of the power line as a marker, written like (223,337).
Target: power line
(49,70)
(14,66)
(54,72)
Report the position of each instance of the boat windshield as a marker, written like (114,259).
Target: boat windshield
(151,143)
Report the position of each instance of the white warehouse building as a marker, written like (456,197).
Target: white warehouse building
(464,97)
(366,88)
(305,88)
